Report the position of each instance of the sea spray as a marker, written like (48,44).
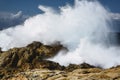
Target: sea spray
(82,28)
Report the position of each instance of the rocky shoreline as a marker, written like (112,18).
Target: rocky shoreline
(29,63)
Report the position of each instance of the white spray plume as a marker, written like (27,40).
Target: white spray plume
(82,28)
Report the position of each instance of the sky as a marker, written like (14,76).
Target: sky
(15,12)
(30,7)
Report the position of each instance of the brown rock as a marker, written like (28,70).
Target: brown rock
(29,57)
(0,50)
(72,67)
(36,51)
(77,74)
(29,63)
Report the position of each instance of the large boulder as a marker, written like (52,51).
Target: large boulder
(32,54)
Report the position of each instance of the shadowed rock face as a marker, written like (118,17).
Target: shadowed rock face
(0,50)
(72,67)
(31,55)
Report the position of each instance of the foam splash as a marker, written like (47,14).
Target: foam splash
(82,28)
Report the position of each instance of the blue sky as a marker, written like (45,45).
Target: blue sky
(30,7)
(11,15)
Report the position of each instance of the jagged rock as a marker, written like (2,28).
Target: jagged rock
(34,45)
(86,66)
(0,50)
(29,63)
(30,57)
(18,57)
(72,67)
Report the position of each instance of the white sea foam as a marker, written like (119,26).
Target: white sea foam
(82,28)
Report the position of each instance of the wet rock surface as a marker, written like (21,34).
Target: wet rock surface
(30,63)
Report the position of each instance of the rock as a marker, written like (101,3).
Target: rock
(30,63)
(34,45)
(36,51)
(72,67)
(48,65)
(30,57)
(77,74)
(0,50)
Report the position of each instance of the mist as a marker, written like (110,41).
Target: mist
(82,28)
